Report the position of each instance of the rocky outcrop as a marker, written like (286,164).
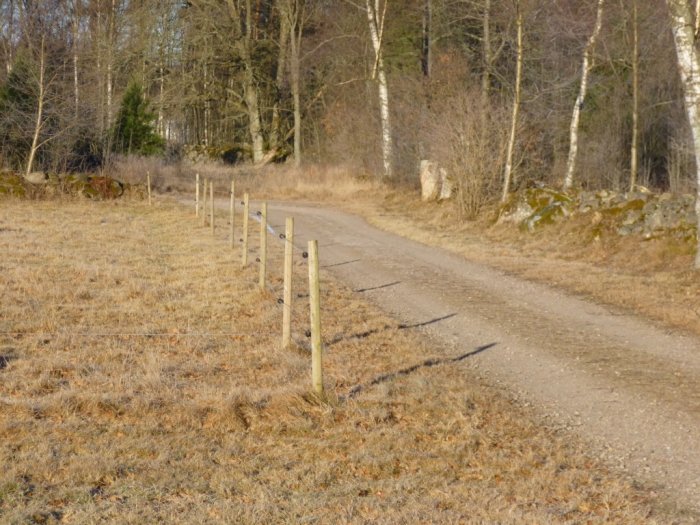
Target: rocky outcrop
(635,213)
(535,207)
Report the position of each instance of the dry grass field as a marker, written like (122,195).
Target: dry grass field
(142,380)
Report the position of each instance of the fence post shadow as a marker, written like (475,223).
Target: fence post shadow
(428,363)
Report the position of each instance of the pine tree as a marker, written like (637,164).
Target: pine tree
(134,129)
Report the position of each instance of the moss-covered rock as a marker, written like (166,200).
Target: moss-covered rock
(12,184)
(634,213)
(92,187)
(544,216)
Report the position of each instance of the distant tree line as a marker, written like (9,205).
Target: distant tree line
(502,93)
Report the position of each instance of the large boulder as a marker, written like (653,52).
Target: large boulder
(429,180)
(446,185)
(37,177)
(435,182)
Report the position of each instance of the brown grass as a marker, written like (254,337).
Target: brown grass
(142,380)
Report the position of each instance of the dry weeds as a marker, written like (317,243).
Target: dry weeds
(142,380)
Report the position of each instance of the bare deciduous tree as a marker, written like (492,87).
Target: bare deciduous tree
(578,105)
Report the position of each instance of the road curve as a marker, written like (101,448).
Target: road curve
(630,388)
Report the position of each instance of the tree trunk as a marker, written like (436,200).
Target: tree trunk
(110,63)
(487,58)
(508,172)
(97,46)
(251,100)
(207,110)
(376,29)
(689,68)
(243,45)
(578,105)
(295,66)
(39,111)
(10,38)
(279,78)
(426,54)
(634,146)
(76,85)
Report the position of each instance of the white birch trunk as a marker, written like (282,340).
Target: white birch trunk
(251,99)
(488,60)
(284,38)
(110,65)
(206,105)
(161,99)
(689,68)
(10,38)
(508,171)
(98,63)
(296,32)
(634,146)
(578,105)
(39,112)
(376,27)
(76,84)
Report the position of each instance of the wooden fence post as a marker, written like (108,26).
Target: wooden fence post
(263,245)
(148,182)
(246,208)
(232,208)
(315,317)
(204,203)
(196,196)
(287,299)
(211,198)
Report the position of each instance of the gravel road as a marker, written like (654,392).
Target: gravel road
(630,388)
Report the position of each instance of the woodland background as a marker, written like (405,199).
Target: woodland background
(84,82)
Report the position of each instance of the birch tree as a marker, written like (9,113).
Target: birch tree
(41,98)
(634,143)
(286,18)
(508,170)
(376,32)
(578,105)
(297,18)
(689,68)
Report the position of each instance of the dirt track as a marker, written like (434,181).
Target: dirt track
(630,388)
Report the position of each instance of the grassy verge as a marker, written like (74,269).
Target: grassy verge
(142,380)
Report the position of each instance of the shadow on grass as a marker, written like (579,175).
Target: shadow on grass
(428,363)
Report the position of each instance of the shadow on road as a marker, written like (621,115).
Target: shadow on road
(360,290)
(361,335)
